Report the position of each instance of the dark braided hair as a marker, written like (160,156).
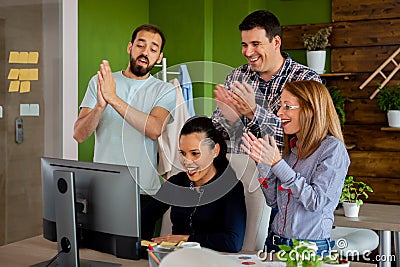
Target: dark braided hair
(203,124)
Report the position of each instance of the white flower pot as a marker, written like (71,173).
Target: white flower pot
(316,60)
(351,209)
(394,118)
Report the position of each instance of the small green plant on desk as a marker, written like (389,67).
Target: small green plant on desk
(302,253)
(353,191)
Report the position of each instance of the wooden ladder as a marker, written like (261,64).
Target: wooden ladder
(379,71)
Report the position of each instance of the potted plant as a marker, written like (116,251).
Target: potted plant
(316,45)
(389,100)
(351,196)
(339,101)
(302,253)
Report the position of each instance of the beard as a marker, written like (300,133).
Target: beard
(138,70)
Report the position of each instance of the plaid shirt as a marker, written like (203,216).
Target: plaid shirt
(267,94)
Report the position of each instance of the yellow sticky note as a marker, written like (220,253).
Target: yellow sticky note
(25,87)
(14,87)
(28,74)
(14,57)
(23,57)
(33,57)
(13,74)
(33,74)
(24,74)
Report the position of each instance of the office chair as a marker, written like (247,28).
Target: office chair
(354,241)
(258,212)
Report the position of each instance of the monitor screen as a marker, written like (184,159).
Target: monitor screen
(107,205)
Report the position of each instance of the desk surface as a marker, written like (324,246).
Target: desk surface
(372,216)
(37,249)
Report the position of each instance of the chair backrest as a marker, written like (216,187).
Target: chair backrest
(166,225)
(354,241)
(257,210)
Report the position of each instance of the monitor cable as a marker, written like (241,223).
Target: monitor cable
(53,259)
(65,248)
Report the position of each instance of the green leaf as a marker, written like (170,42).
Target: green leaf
(285,248)
(389,97)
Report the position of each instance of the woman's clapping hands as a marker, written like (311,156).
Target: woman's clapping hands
(261,150)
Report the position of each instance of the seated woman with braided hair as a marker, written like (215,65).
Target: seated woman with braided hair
(206,199)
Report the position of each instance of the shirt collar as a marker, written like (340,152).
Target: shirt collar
(285,70)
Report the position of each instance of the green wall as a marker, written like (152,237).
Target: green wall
(183,23)
(290,12)
(196,30)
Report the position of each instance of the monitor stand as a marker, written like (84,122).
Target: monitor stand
(64,189)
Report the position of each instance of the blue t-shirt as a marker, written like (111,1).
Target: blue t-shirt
(117,142)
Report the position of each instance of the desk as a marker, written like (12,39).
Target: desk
(37,249)
(384,218)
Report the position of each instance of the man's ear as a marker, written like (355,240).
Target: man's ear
(160,57)
(129,48)
(277,42)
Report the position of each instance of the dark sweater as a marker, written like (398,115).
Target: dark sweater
(219,211)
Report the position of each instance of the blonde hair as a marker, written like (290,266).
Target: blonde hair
(318,117)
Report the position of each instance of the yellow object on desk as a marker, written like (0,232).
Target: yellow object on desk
(167,245)
(146,243)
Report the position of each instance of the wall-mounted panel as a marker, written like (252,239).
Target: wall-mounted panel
(374,163)
(361,59)
(364,111)
(292,35)
(353,33)
(362,136)
(386,190)
(345,10)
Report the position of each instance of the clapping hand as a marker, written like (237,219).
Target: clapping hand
(261,150)
(225,105)
(101,102)
(107,82)
(243,98)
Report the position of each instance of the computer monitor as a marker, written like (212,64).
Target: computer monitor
(107,205)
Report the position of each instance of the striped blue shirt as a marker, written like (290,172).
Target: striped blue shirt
(267,94)
(307,194)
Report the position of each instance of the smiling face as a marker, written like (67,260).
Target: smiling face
(145,52)
(262,54)
(289,112)
(196,156)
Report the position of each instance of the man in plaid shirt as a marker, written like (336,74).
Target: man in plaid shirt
(249,99)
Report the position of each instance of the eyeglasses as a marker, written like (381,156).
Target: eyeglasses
(286,107)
